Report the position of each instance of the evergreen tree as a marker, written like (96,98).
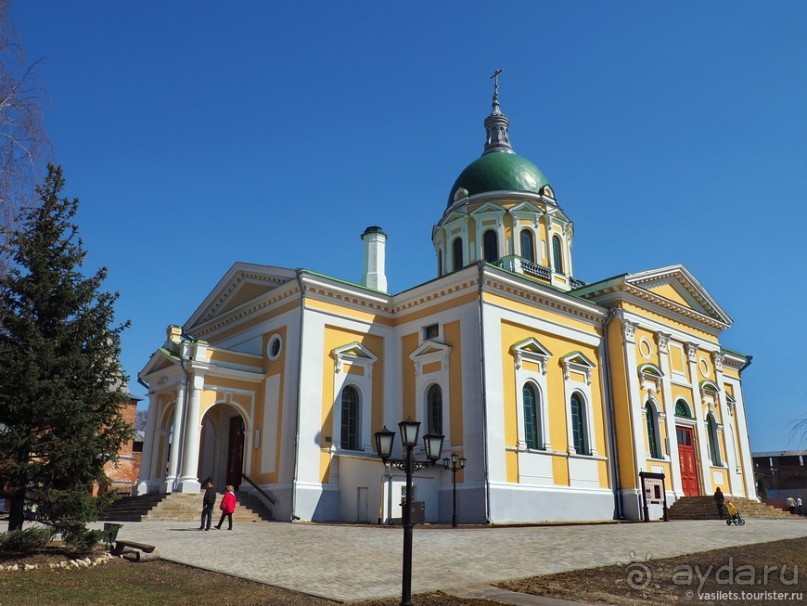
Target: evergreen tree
(60,379)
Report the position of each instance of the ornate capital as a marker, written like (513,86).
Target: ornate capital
(692,350)
(628,327)
(717,360)
(629,330)
(662,340)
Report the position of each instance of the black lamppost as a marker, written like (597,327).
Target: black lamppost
(454,464)
(409,437)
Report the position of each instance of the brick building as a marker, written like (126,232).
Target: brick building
(124,473)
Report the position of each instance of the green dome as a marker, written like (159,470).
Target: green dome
(499,171)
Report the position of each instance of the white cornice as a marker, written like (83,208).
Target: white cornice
(245,311)
(621,291)
(238,274)
(350,295)
(543,295)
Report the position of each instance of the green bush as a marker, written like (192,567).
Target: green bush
(26,540)
(81,538)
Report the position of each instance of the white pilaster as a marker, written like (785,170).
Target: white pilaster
(745,446)
(700,426)
(727,431)
(176,440)
(149,444)
(634,394)
(662,340)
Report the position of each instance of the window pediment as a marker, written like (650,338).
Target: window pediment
(532,351)
(709,387)
(650,377)
(578,363)
(488,208)
(353,353)
(428,352)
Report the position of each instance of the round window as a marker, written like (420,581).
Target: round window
(274,347)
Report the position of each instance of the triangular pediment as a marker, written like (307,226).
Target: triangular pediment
(488,208)
(244,282)
(429,348)
(354,350)
(525,207)
(532,346)
(159,360)
(677,285)
(577,358)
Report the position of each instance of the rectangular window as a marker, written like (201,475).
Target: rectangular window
(432,331)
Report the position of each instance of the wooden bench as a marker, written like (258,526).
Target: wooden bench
(124,547)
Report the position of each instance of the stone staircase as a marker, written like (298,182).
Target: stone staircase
(183,507)
(704,508)
(132,509)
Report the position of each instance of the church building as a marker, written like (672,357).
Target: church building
(557,393)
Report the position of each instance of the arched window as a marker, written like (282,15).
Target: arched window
(652,431)
(439,262)
(714,444)
(491,244)
(557,254)
(456,249)
(434,410)
(579,431)
(682,409)
(349,439)
(532,418)
(527,245)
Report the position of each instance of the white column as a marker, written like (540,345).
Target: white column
(636,403)
(188,482)
(149,444)
(662,340)
(728,433)
(700,427)
(745,446)
(631,496)
(176,440)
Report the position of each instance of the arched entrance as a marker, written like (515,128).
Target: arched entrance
(221,446)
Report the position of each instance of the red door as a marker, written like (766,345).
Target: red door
(686,457)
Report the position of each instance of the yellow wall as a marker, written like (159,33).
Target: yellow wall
(337,337)
(452,331)
(556,405)
(621,394)
(409,343)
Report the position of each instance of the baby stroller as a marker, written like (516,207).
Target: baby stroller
(734,515)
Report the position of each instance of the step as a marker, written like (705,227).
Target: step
(703,507)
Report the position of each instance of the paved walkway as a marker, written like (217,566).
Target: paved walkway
(361,562)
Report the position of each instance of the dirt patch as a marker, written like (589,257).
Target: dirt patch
(760,574)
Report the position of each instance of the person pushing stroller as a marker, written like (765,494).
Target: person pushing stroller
(734,515)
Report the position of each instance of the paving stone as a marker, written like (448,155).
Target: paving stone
(343,562)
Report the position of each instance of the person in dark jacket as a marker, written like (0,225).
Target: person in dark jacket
(208,502)
(227,507)
(719,498)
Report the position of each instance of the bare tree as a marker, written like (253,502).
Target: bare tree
(141,417)
(23,142)
(799,430)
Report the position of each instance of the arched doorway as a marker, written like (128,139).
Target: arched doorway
(221,446)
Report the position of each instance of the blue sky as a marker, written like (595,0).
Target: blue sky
(197,134)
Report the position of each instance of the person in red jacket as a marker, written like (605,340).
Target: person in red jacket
(227,507)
